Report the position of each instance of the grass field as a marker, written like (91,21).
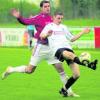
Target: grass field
(44,84)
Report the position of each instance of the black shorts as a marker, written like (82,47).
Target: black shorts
(59,55)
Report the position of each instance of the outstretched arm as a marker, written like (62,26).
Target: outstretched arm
(22,20)
(84,31)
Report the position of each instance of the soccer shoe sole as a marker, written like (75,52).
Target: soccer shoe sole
(73,95)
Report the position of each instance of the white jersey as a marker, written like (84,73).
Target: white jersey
(60,37)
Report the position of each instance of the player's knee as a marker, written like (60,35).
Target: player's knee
(76,75)
(30,70)
(59,67)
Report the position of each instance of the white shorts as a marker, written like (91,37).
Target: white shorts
(42,52)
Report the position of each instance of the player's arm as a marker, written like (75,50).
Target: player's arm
(22,20)
(46,32)
(45,35)
(72,37)
(84,31)
(26,21)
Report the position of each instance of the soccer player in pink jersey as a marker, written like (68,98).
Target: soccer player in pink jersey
(41,50)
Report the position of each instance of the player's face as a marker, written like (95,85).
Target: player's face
(46,8)
(58,19)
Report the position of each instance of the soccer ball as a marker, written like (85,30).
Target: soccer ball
(85,57)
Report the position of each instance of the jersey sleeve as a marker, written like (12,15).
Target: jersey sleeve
(68,34)
(28,21)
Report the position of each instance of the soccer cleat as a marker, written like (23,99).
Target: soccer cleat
(72,94)
(63,92)
(6,73)
(85,62)
(93,64)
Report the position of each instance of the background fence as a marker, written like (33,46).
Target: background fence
(72,9)
(80,8)
(19,37)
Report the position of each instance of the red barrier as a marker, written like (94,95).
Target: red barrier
(97,37)
(0,38)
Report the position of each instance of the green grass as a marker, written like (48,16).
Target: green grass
(11,25)
(44,83)
(82,22)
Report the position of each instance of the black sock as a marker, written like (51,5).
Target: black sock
(30,43)
(90,65)
(70,82)
(77,60)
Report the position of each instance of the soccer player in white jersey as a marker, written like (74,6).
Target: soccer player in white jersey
(58,36)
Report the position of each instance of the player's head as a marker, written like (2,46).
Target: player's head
(45,6)
(57,18)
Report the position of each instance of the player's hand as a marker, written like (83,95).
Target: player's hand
(50,32)
(15,13)
(86,30)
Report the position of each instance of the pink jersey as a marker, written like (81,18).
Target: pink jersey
(39,21)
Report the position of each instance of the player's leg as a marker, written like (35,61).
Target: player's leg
(35,59)
(30,42)
(11,69)
(76,73)
(70,55)
(19,69)
(30,38)
(64,78)
(71,64)
(59,68)
(70,93)
(57,65)
(23,68)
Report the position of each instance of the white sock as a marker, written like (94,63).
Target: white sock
(64,79)
(20,69)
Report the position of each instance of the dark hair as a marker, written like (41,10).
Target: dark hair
(44,1)
(58,13)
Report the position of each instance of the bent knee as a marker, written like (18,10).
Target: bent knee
(59,67)
(76,76)
(30,70)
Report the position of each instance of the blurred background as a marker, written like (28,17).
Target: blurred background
(77,14)
(72,9)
